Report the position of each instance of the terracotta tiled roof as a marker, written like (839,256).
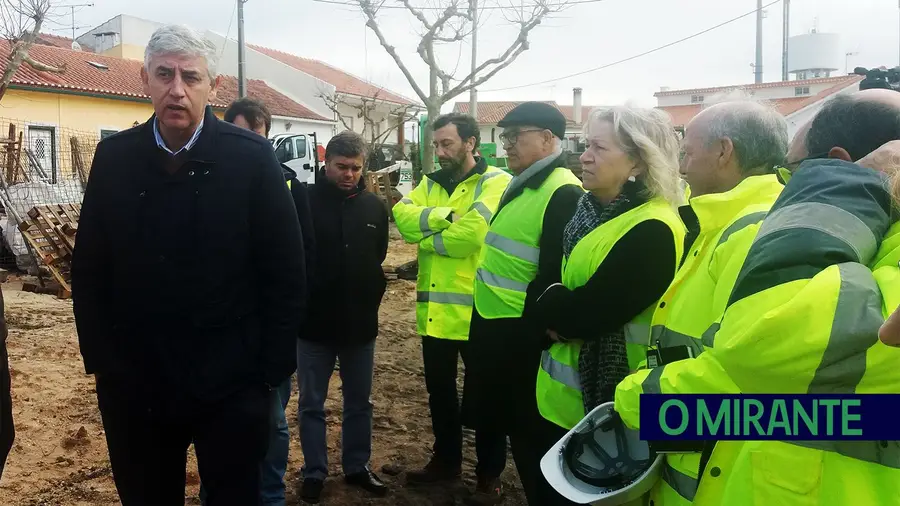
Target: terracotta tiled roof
(682,114)
(122,78)
(342,81)
(278,104)
(490,113)
(775,84)
(46,39)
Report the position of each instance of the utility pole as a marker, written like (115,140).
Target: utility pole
(242,71)
(786,34)
(473,93)
(758,69)
(72,7)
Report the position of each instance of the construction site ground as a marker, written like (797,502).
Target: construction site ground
(60,457)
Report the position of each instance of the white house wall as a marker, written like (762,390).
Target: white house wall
(786,91)
(299,86)
(801,117)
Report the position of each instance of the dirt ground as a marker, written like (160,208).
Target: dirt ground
(60,458)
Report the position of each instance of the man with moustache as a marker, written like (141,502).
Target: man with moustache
(448,215)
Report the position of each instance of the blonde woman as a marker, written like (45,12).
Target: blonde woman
(620,252)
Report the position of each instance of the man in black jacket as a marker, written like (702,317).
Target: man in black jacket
(505,344)
(188,279)
(252,114)
(351,227)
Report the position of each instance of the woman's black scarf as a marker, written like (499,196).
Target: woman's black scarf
(603,362)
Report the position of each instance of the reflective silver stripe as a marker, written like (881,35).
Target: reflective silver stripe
(406,201)
(423,221)
(514,248)
(668,338)
(560,372)
(492,279)
(857,318)
(740,224)
(651,382)
(682,483)
(439,244)
(826,218)
(637,333)
(482,210)
(461,299)
(885,453)
(430,185)
(709,335)
(481,181)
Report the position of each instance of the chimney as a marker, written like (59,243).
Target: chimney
(576,105)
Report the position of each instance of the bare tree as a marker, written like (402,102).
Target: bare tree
(20,26)
(367,109)
(453,23)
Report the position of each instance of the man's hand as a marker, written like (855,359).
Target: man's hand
(884,159)
(890,330)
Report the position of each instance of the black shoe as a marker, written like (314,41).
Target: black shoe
(311,492)
(434,472)
(488,492)
(367,480)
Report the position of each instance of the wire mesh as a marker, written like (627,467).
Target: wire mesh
(43,171)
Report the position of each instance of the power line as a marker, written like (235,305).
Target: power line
(492,7)
(634,57)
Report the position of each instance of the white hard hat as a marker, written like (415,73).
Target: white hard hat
(601,461)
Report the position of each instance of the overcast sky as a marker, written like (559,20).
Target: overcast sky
(584,36)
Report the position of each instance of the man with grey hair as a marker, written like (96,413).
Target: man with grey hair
(188,286)
(731,151)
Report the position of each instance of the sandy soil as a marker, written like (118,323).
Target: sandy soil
(60,459)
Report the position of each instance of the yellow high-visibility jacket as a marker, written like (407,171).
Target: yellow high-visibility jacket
(449,251)
(725,225)
(558,387)
(817,283)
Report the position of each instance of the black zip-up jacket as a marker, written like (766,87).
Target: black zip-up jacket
(190,283)
(349,283)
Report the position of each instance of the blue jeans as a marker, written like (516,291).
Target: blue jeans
(315,365)
(274,466)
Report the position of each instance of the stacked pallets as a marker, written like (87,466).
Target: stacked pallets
(50,230)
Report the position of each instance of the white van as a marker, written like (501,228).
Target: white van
(297,151)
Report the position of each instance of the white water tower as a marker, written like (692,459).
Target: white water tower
(814,54)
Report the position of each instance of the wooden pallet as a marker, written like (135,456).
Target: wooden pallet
(51,230)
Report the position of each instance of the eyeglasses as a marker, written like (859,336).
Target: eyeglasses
(511,137)
(792,166)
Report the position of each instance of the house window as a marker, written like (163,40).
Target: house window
(801,90)
(348,121)
(106,133)
(696,99)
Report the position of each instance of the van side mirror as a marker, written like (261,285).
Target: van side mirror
(306,166)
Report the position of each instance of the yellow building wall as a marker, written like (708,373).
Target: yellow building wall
(127,51)
(73,112)
(82,116)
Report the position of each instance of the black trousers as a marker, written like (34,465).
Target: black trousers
(7,429)
(441,358)
(506,356)
(148,437)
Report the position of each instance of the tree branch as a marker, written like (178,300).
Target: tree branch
(36,65)
(517,47)
(332,103)
(370,12)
